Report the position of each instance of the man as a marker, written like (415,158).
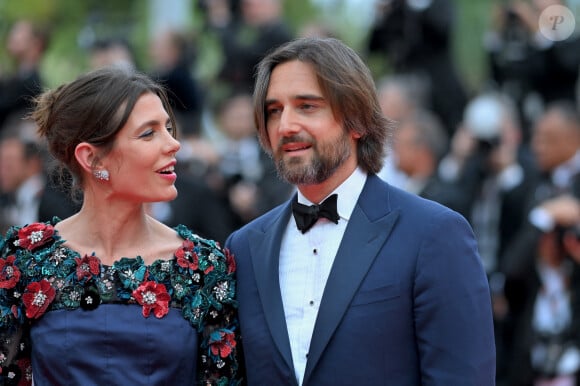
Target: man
(391,290)
(26,44)
(539,263)
(251,29)
(419,144)
(28,190)
(21,180)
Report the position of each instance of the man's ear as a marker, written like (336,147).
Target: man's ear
(86,155)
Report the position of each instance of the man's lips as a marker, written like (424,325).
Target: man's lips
(293,147)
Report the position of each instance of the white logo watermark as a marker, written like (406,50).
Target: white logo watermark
(557,23)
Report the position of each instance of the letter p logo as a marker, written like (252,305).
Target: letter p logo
(556,20)
(557,23)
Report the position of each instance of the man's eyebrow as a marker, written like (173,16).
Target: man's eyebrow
(310,97)
(307,97)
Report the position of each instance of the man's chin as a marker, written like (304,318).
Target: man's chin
(295,174)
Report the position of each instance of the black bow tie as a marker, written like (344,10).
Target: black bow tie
(306,216)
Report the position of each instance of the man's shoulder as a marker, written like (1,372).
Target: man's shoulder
(413,205)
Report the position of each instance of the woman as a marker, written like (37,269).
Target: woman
(110,295)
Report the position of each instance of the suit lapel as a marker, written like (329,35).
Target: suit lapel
(369,226)
(265,251)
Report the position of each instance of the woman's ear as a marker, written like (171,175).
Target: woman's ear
(355,134)
(86,155)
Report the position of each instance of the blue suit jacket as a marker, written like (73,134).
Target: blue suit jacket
(407,301)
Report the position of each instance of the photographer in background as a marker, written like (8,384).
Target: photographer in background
(525,64)
(494,169)
(539,260)
(414,37)
(495,173)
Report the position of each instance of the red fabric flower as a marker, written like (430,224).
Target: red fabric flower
(34,235)
(87,266)
(9,273)
(186,256)
(37,297)
(230,261)
(153,297)
(222,343)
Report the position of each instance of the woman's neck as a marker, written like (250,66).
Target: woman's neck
(110,231)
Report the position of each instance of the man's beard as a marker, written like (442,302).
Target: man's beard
(326,159)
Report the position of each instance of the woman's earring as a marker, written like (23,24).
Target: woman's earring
(102,175)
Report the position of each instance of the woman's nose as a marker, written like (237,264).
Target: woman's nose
(173,144)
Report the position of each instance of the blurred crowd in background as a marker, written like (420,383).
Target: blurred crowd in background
(506,156)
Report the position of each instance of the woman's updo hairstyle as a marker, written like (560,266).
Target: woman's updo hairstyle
(92,108)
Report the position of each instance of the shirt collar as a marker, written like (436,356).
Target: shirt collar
(348,193)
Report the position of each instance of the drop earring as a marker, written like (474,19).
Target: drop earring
(102,175)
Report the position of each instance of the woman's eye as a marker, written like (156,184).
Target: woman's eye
(146,134)
(170,130)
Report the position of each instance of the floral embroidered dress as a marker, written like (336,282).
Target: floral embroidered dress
(76,321)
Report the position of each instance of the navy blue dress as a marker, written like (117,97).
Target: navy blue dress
(67,319)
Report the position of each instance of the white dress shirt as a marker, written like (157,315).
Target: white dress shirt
(305,264)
